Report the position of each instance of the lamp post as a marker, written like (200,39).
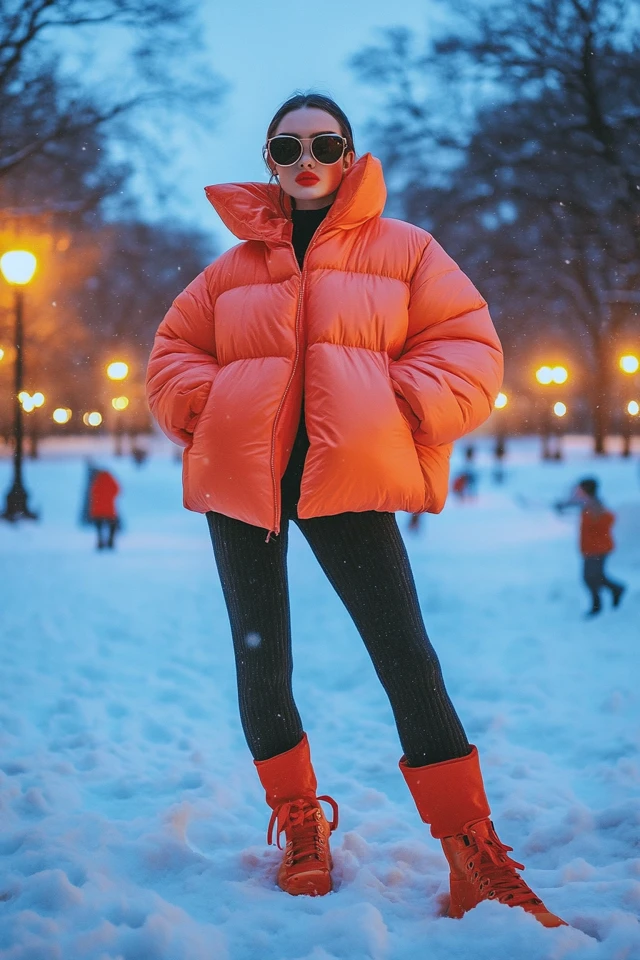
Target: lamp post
(548,376)
(500,448)
(117,371)
(18,267)
(629,364)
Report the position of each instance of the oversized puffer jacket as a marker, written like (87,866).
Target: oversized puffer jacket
(388,344)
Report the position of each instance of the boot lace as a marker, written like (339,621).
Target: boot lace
(299,821)
(493,870)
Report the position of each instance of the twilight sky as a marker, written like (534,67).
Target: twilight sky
(265,51)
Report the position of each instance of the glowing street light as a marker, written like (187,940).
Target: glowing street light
(61,415)
(501,401)
(629,363)
(118,370)
(560,408)
(38,399)
(120,403)
(633,408)
(92,419)
(17,268)
(547,375)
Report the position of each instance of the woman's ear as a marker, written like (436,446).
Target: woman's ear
(265,156)
(348,160)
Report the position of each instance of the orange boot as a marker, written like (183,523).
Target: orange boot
(290,785)
(450,797)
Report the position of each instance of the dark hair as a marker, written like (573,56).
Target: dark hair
(320,102)
(589,485)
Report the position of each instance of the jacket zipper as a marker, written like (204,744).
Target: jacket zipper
(276,525)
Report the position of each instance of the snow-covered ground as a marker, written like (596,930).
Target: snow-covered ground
(131,820)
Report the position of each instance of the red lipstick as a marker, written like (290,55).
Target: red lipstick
(307,179)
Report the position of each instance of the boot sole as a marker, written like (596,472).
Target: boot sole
(313,883)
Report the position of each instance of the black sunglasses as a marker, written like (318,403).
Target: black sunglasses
(326,148)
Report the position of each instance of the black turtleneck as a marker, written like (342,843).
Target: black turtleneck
(305,224)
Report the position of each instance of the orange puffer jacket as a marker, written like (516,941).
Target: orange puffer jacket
(385,340)
(595,531)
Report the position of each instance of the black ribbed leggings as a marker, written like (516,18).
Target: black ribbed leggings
(365,559)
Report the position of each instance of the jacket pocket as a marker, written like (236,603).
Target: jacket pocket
(196,404)
(412,421)
(409,416)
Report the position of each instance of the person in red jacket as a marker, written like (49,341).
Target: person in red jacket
(102,507)
(319,373)
(596,542)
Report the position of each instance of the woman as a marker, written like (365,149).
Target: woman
(319,372)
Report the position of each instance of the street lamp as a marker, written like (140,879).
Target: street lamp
(30,404)
(549,377)
(118,371)
(61,415)
(18,267)
(500,448)
(632,410)
(92,418)
(629,363)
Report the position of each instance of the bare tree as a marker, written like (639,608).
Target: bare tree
(45,102)
(533,168)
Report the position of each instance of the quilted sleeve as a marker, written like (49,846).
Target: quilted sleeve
(183,365)
(450,369)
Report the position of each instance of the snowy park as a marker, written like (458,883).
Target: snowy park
(133,824)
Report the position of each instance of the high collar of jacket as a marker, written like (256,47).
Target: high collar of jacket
(252,211)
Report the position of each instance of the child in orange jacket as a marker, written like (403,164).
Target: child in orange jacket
(596,542)
(102,507)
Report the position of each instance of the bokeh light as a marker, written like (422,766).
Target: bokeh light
(120,403)
(629,363)
(501,401)
(559,374)
(117,370)
(633,408)
(544,375)
(18,266)
(559,408)
(92,419)
(61,415)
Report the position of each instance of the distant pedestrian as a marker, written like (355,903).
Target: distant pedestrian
(596,542)
(414,522)
(102,507)
(139,455)
(465,483)
(499,453)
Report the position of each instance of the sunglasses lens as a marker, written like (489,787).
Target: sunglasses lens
(285,150)
(327,148)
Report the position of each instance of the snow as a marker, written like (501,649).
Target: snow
(132,822)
